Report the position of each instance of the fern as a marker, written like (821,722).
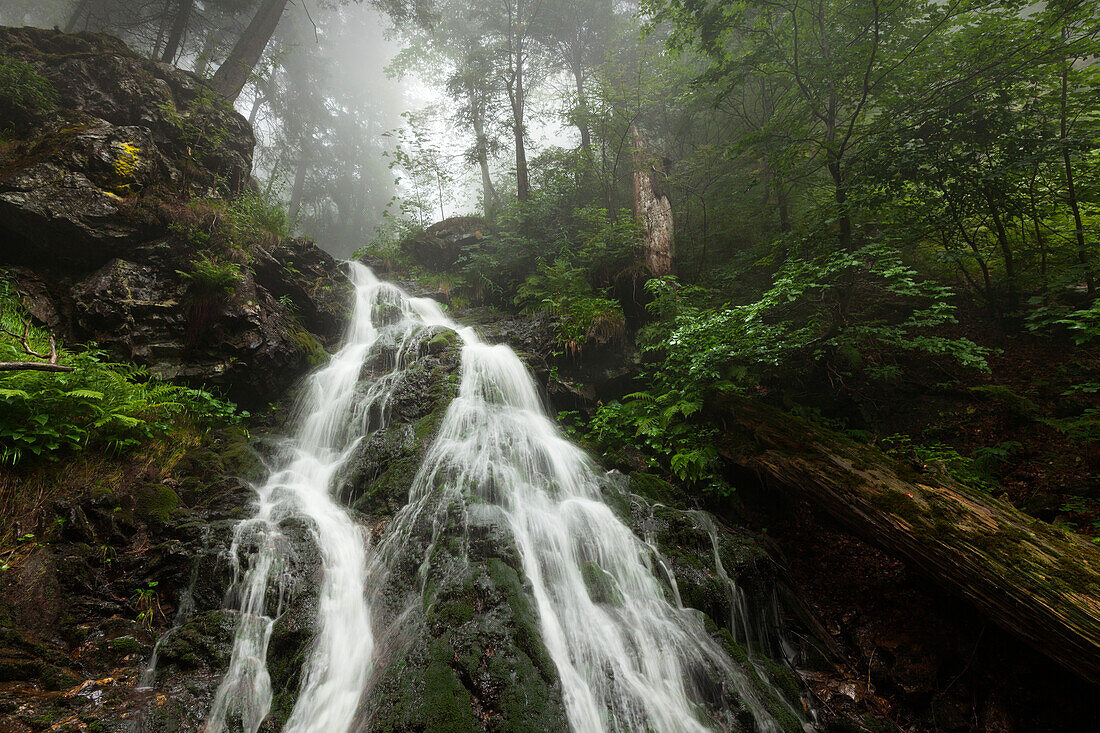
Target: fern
(100,404)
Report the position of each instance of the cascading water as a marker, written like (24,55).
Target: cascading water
(632,665)
(630,658)
(301,487)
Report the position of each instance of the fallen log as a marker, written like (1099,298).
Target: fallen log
(1037,581)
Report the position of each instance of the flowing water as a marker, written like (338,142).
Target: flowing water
(301,487)
(641,662)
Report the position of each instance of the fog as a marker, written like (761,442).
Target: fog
(363,127)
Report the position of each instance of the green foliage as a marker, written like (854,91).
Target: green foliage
(147,604)
(977,471)
(23,91)
(584,316)
(198,125)
(210,278)
(1083,324)
(100,404)
(256,214)
(849,312)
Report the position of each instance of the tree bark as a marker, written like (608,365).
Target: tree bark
(652,209)
(488,193)
(840,195)
(34,366)
(1071,190)
(523,183)
(78,12)
(298,188)
(232,75)
(582,109)
(179,25)
(1036,581)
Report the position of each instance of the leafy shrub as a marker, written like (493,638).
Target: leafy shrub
(585,316)
(209,277)
(256,215)
(805,320)
(977,471)
(1082,324)
(100,404)
(23,91)
(199,128)
(794,327)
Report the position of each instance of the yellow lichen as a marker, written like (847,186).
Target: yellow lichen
(126,164)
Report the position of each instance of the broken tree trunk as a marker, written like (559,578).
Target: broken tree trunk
(1036,581)
(651,207)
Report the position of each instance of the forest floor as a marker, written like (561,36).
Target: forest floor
(1026,431)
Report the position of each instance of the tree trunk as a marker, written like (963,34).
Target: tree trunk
(299,186)
(179,25)
(523,184)
(488,193)
(582,110)
(33,366)
(840,195)
(1071,191)
(652,208)
(209,43)
(1006,250)
(79,12)
(232,75)
(1036,581)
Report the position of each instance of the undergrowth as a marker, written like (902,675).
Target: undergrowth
(103,405)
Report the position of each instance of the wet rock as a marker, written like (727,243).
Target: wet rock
(100,202)
(439,246)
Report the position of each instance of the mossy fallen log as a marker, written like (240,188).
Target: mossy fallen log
(1037,581)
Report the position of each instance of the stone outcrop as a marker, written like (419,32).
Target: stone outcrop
(111,202)
(439,246)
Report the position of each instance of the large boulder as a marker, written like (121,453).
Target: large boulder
(439,246)
(118,202)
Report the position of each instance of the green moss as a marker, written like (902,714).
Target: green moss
(601,586)
(899,504)
(447,704)
(526,630)
(156,501)
(43,720)
(307,344)
(441,341)
(55,678)
(654,489)
(777,707)
(124,645)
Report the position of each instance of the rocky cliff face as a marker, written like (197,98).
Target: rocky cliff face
(118,202)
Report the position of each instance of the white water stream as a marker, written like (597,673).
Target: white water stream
(302,488)
(636,662)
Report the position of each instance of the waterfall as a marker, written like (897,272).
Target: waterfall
(300,486)
(629,656)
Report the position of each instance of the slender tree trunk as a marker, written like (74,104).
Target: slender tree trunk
(255,111)
(298,187)
(582,110)
(179,26)
(79,12)
(652,209)
(488,193)
(209,43)
(843,218)
(1006,250)
(439,190)
(783,202)
(523,184)
(1071,190)
(160,32)
(232,75)
(1040,241)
